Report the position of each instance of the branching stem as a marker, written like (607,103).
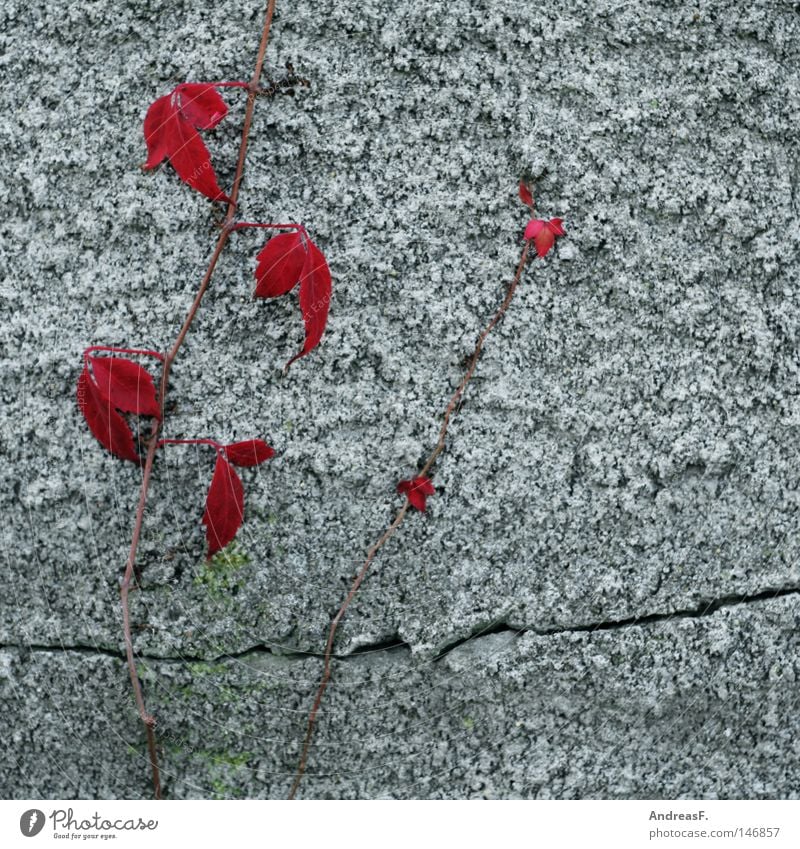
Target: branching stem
(135,352)
(245,225)
(398,520)
(153,442)
(212,442)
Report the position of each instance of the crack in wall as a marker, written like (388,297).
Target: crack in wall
(703,609)
(104,651)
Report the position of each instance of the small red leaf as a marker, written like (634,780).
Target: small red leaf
(525,194)
(155,123)
(544,240)
(127,385)
(201,105)
(534,228)
(224,506)
(251,452)
(170,133)
(190,158)
(417,490)
(315,298)
(544,233)
(280,264)
(107,425)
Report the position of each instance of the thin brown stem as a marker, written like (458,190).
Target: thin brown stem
(148,719)
(456,397)
(136,352)
(248,115)
(398,520)
(326,669)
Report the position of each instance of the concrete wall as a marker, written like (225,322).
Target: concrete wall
(615,530)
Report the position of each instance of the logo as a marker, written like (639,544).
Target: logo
(66,825)
(31,822)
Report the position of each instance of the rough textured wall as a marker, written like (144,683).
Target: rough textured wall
(627,449)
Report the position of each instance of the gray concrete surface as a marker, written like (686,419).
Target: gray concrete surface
(692,707)
(627,450)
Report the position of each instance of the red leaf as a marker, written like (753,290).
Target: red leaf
(154,124)
(544,233)
(280,264)
(190,158)
(315,298)
(169,133)
(224,506)
(127,385)
(544,240)
(251,452)
(201,105)
(525,194)
(416,490)
(534,228)
(108,426)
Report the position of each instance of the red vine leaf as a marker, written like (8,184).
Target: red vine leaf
(169,131)
(544,233)
(155,137)
(417,491)
(201,105)
(224,506)
(251,452)
(525,194)
(315,298)
(280,265)
(107,425)
(126,385)
(286,259)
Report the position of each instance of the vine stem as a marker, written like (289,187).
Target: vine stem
(143,352)
(148,719)
(398,520)
(212,442)
(244,225)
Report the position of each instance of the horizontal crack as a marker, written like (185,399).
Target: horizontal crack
(705,608)
(103,651)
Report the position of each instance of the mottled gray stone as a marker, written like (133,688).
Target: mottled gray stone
(695,707)
(628,447)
